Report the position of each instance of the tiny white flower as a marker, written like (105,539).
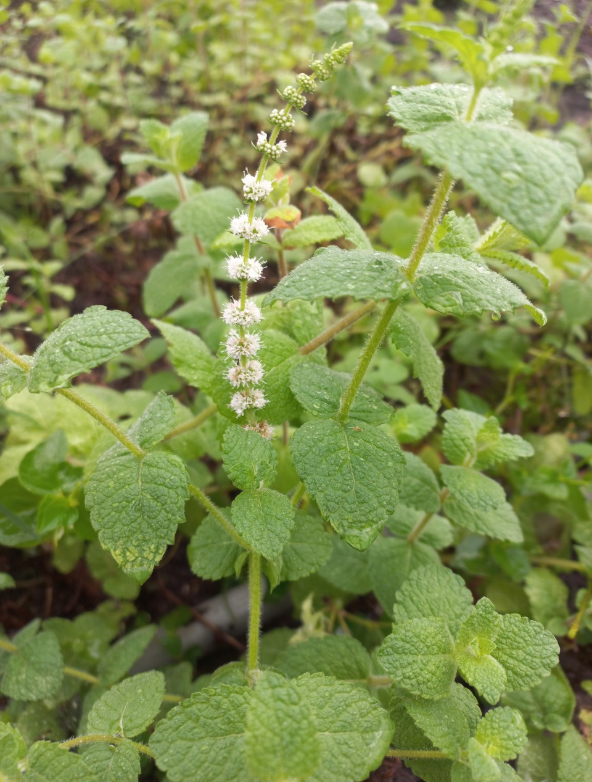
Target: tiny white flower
(238,345)
(245,399)
(261,137)
(254,190)
(235,315)
(282,146)
(239,269)
(249,374)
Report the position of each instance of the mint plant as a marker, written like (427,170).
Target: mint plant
(455,686)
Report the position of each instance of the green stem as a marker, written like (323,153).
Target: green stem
(214,511)
(573,630)
(254,611)
(103,419)
(102,738)
(424,521)
(562,564)
(417,754)
(341,325)
(299,493)
(193,423)
(365,358)
(430,223)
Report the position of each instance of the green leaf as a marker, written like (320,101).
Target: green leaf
(502,733)
(347,568)
(128,708)
(352,230)
(433,591)
(538,761)
(12,751)
(265,519)
(120,657)
(281,741)
(453,286)
(249,459)
(473,488)
(206,214)
(135,505)
(475,643)
(336,464)
(548,596)
(155,423)
(575,298)
(313,230)
(483,768)
(391,562)
(408,736)
(339,656)
(119,763)
(409,337)
(575,757)
(419,487)
(12,379)
(308,549)
(212,553)
(3,286)
(548,706)
(519,62)
(333,273)
(279,354)
(448,722)
(500,523)
(353,730)
(34,671)
(437,533)
(41,469)
(50,763)
(516,261)
(418,109)
(203,739)
(471,52)
(319,391)
(81,343)
(468,435)
(115,582)
(173,278)
(528,180)
(162,192)
(413,422)
(527,651)
(55,513)
(190,356)
(454,237)
(191,129)
(419,656)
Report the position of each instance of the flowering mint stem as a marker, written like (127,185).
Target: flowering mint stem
(254,611)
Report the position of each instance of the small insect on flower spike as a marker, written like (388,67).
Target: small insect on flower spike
(243,341)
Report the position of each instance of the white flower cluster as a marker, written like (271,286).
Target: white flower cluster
(248,374)
(283,119)
(250,230)
(248,397)
(239,268)
(242,345)
(236,315)
(254,190)
(272,151)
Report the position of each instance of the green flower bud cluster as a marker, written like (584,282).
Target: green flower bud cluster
(282,118)
(306,82)
(324,68)
(293,97)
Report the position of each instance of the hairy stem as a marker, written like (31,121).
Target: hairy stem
(215,511)
(254,611)
(101,738)
(430,223)
(341,325)
(365,358)
(193,423)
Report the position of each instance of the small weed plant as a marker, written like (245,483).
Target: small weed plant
(316,493)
